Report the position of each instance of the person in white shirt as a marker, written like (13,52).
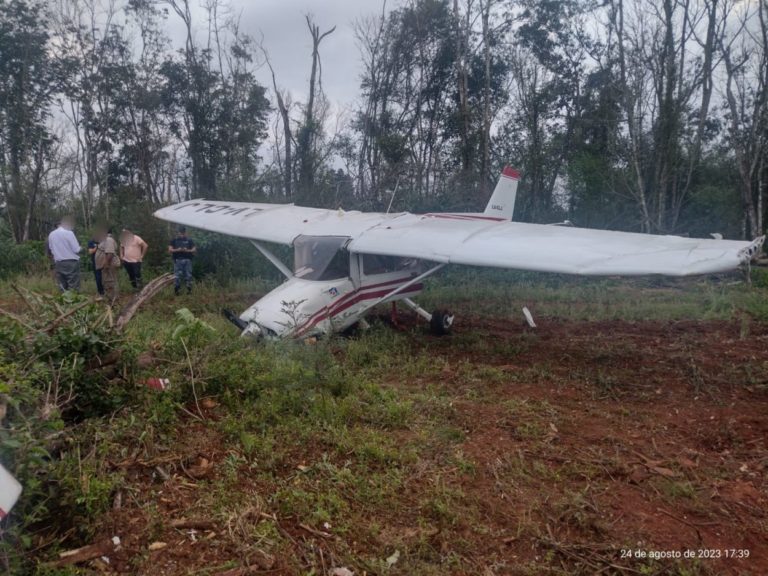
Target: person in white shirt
(65,251)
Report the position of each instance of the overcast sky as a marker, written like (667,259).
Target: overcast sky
(286,38)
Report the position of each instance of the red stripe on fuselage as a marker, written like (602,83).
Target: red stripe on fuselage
(350,300)
(334,306)
(349,295)
(449,216)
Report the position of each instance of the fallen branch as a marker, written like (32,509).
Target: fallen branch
(83,554)
(17,319)
(185,524)
(147,293)
(315,532)
(260,562)
(688,522)
(23,297)
(53,325)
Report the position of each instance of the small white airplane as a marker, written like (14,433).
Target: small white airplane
(345,263)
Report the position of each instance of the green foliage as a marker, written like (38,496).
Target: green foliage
(25,258)
(190,328)
(85,488)
(72,349)
(51,375)
(760,277)
(28,81)
(29,421)
(228,258)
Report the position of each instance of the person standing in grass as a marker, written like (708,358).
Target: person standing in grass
(108,262)
(132,251)
(64,249)
(92,245)
(182,249)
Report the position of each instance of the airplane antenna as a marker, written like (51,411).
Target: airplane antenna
(392,199)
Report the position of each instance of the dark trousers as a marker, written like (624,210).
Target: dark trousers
(99,283)
(134,273)
(182,269)
(67,274)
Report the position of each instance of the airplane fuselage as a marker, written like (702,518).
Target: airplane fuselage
(321,302)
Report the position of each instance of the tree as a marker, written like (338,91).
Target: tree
(312,125)
(746,63)
(666,65)
(28,81)
(221,114)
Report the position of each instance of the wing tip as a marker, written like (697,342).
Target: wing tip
(752,250)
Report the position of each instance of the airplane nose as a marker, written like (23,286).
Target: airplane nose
(253,330)
(258,331)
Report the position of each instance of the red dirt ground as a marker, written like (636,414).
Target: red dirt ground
(680,403)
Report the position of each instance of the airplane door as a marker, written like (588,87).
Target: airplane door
(356,269)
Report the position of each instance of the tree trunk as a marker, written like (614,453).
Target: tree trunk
(308,133)
(462,82)
(32,200)
(633,127)
(486,135)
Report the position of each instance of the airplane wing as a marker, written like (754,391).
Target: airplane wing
(476,240)
(279,223)
(457,239)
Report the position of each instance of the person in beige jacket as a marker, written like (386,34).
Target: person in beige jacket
(108,262)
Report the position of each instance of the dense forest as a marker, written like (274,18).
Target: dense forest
(626,114)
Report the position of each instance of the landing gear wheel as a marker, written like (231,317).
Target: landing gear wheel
(441,322)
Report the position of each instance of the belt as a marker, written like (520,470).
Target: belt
(69,260)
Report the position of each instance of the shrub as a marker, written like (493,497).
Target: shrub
(25,258)
(58,365)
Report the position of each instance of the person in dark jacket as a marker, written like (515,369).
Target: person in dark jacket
(92,245)
(182,249)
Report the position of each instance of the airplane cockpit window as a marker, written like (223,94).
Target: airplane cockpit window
(377,264)
(320,257)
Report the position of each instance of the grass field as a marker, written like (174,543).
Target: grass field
(633,419)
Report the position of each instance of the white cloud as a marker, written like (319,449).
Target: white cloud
(283,28)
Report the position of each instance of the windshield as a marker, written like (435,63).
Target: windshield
(320,257)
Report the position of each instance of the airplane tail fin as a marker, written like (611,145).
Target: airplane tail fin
(502,202)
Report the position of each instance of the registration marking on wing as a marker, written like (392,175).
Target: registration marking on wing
(223,209)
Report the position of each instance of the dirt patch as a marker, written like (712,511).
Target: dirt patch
(646,436)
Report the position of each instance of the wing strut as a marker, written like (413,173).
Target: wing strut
(269,255)
(402,287)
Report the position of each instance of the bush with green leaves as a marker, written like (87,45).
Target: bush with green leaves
(24,258)
(30,429)
(190,329)
(60,363)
